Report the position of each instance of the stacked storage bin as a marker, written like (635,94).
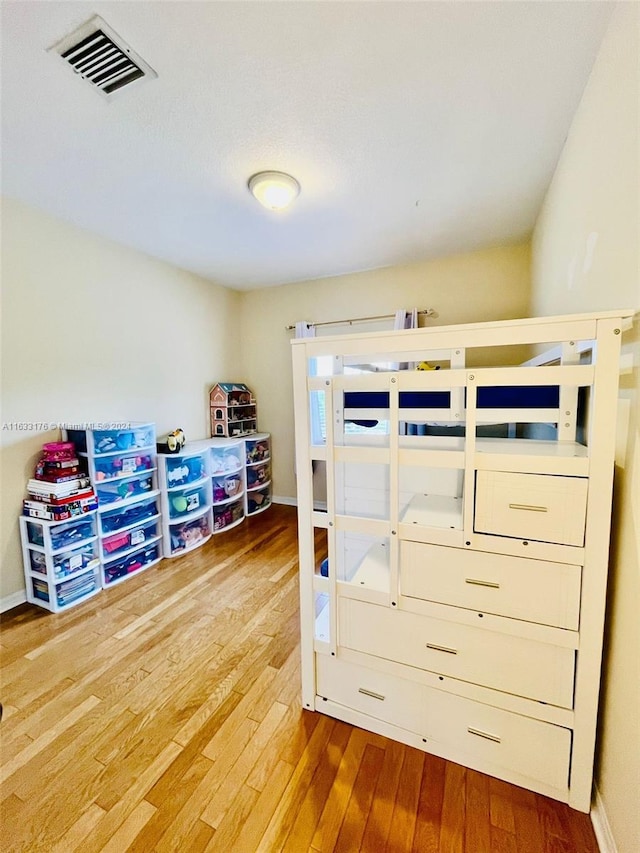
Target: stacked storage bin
(228,482)
(186,498)
(61,561)
(58,532)
(122,464)
(258,462)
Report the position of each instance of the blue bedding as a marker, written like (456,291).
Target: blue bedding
(489,397)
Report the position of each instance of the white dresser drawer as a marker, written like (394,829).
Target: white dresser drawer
(490,736)
(533,590)
(540,507)
(485,735)
(377,694)
(513,664)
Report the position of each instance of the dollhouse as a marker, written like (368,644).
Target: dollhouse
(233,410)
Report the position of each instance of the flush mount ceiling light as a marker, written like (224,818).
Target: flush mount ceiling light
(274,190)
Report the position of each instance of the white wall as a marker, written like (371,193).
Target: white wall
(93,331)
(493,284)
(586,257)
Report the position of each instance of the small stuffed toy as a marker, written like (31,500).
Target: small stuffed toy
(176,441)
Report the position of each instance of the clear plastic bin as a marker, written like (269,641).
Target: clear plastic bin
(182,470)
(113,545)
(122,465)
(183,502)
(113,492)
(117,519)
(131,563)
(189,534)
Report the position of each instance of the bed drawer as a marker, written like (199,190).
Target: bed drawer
(377,694)
(540,507)
(490,737)
(482,734)
(513,664)
(532,590)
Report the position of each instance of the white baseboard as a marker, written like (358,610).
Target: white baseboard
(279,499)
(13,600)
(601,827)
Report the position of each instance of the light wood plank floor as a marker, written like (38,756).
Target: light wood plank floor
(163,715)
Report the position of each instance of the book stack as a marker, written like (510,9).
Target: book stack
(59,489)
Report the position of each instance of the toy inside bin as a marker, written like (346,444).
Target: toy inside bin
(115,543)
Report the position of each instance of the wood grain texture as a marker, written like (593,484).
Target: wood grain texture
(164,715)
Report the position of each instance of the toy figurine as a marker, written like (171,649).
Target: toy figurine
(176,441)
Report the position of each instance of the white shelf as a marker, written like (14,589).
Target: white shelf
(322,623)
(531,455)
(373,571)
(434,511)
(532,447)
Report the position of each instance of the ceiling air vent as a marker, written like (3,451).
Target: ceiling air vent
(102,58)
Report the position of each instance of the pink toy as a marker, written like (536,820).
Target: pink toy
(58,451)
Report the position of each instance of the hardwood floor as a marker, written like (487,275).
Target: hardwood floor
(163,715)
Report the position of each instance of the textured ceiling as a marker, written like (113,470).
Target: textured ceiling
(416,129)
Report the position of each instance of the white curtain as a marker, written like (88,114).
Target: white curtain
(305,330)
(405,319)
(308,330)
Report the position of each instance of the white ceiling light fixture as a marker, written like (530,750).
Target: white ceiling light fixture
(274,190)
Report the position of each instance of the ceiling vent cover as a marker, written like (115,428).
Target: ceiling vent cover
(102,58)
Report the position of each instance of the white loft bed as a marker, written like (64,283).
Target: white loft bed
(470,504)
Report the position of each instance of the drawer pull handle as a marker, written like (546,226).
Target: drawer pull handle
(371,693)
(530,507)
(442,649)
(485,735)
(476,582)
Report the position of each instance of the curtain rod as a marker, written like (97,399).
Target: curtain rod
(426,311)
